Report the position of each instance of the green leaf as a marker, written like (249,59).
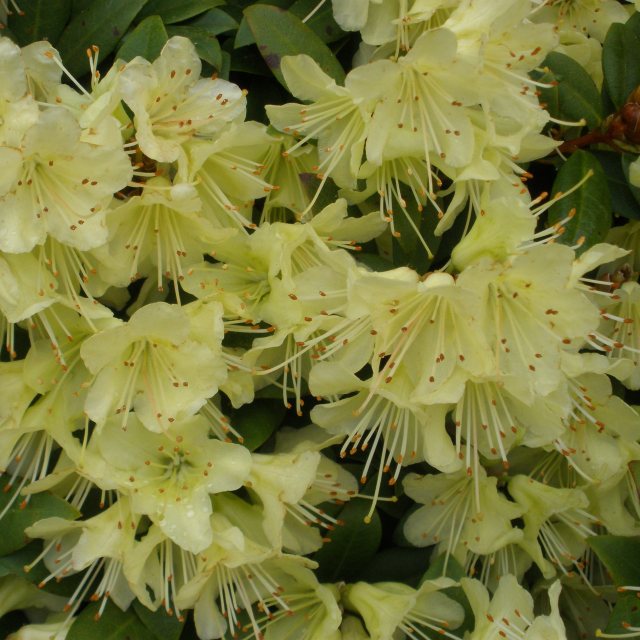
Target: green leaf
(80,5)
(573,95)
(352,544)
(322,22)
(215,22)
(163,626)
(256,422)
(14,563)
(414,225)
(207,45)
(620,62)
(171,11)
(626,613)
(621,556)
(633,23)
(17,519)
(248,60)
(374,261)
(146,40)
(7,33)
(102,24)
(396,565)
(226,66)
(445,565)
(591,201)
(114,624)
(279,33)
(244,36)
(42,20)
(624,201)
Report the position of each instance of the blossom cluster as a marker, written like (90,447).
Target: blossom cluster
(163,260)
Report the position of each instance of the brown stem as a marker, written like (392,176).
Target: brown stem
(593,137)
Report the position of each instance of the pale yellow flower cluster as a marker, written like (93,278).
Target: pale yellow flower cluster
(494,372)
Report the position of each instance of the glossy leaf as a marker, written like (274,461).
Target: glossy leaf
(256,422)
(113,624)
(621,556)
(624,202)
(102,24)
(244,36)
(15,563)
(573,95)
(23,514)
(279,33)
(396,565)
(591,202)
(620,62)
(412,228)
(163,626)
(207,45)
(146,40)
(352,544)
(171,11)
(215,22)
(321,21)
(445,565)
(625,614)
(248,60)
(42,20)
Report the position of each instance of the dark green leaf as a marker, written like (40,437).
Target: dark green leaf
(591,202)
(416,229)
(18,560)
(445,565)
(374,261)
(102,24)
(80,5)
(623,201)
(574,95)
(163,626)
(248,60)
(279,33)
(7,33)
(321,21)
(627,159)
(626,613)
(633,23)
(21,515)
(244,36)
(621,556)
(171,11)
(352,545)
(15,562)
(146,40)
(396,565)
(215,22)
(255,422)
(42,20)
(207,45)
(226,65)
(620,62)
(114,624)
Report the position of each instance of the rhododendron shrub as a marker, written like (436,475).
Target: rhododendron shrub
(320,320)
